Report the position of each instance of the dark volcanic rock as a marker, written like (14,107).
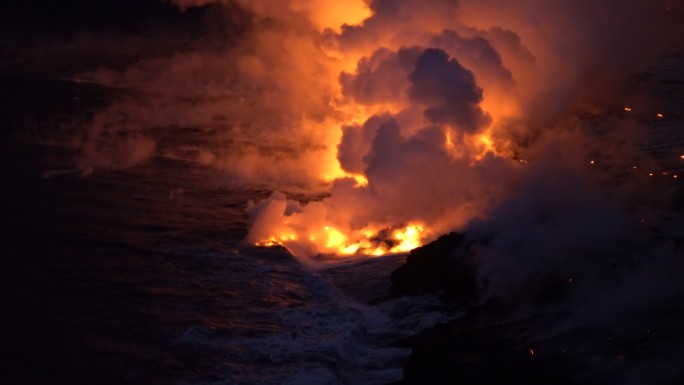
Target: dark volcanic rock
(494,355)
(435,267)
(531,334)
(463,353)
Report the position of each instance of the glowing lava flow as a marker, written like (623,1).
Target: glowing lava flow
(363,242)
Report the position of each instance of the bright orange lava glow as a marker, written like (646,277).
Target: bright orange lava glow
(367,241)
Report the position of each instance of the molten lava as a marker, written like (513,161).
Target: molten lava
(372,242)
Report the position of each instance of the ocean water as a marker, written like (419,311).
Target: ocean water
(138,276)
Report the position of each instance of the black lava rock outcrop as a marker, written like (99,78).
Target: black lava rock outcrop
(442,265)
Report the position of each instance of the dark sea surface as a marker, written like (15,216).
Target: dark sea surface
(138,276)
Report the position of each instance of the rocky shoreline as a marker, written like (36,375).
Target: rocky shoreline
(504,341)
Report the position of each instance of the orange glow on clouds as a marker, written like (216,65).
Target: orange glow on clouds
(311,232)
(332,13)
(427,149)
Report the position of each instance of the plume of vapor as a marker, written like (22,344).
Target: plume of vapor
(436,105)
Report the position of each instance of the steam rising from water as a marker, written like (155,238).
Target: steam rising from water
(445,101)
(417,118)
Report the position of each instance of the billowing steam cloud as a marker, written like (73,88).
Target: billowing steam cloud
(447,100)
(417,118)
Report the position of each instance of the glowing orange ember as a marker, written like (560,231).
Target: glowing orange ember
(628,109)
(659,115)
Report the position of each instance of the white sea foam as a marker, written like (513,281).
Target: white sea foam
(326,338)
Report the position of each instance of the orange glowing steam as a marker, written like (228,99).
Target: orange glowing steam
(315,230)
(332,13)
(423,107)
